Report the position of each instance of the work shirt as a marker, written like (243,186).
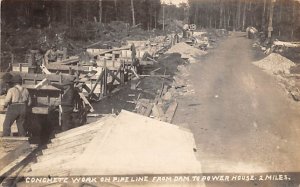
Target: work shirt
(17,94)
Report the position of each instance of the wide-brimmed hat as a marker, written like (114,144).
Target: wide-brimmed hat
(6,77)
(16,79)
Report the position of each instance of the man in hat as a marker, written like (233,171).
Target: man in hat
(17,100)
(67,102)
(52,54)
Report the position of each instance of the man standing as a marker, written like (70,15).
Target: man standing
(52,54)
(67,103)
(17,100)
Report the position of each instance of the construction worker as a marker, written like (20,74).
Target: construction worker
(52,54)
(67,103)
(17,100)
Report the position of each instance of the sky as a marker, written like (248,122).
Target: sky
(174,1)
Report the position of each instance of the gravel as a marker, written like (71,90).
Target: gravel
(275,63)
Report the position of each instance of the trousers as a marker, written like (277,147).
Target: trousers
(15,112)
(66,116)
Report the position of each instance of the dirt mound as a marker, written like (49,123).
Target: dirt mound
(187,51)
(275,63)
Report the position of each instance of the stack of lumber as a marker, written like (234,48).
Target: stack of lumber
(128,144)
(13,151)
(162,108)
(65,147)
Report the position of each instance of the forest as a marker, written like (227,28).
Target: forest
(239,14)
(71,12)
(149,14)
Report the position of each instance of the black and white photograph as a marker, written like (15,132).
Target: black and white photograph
(150,93)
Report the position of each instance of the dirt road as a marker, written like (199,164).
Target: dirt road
(241,118)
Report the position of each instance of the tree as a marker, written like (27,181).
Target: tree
(133,14)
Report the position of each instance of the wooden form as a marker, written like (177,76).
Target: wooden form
(119,139)
(156,107)
(45,96)
(67,146)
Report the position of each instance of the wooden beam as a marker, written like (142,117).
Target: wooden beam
(40,110)
(115,77)
(97,81)
(86,101)
(93,95)
(118,71)
(14,154)
(115,49)
(23,159)
(171,112)
(44,69)
(67,146)
(68,61)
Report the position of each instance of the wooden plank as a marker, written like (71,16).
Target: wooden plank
(11,138)
(45,87)
(76,150)
(67,146)
(93,95)
(60,67)
(76,133)
(14,154)
(82,96)
(60,142)
(133,71)
(22,159)
(162,76)
(115,77)
(40,110)
(41,84)
(171,112)
(66,151)
(40,77)
(158,112)
(70,60)
(97,81)
(148,110)
(53,162)
(94,125)
(115,49)
(118,71)
(44,69)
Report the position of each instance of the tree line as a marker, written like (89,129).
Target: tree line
(283,15)
(18,13)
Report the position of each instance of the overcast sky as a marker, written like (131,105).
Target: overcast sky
(174,1)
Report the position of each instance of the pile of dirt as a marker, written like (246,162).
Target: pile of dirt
(275,63)
(187,51)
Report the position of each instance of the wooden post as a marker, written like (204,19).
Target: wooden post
(122,72)
(64,53)
(105,78)
(59,109)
